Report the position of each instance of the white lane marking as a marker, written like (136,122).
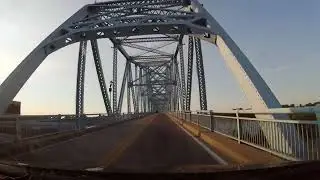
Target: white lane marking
(96,169)
(22,164)
(205,147)
(89,127)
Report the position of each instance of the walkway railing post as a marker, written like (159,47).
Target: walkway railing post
(59,125)
(198,123)
(18,129)
(198,118)
(238,126)
(211,121)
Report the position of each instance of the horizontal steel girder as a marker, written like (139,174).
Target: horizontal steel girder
(127,18)
(149,39)
(152,57)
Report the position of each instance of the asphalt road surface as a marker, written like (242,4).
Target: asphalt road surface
(151,144)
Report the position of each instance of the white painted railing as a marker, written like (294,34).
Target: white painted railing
(304,135)
(16,127)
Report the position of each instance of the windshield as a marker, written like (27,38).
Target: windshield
(159,86)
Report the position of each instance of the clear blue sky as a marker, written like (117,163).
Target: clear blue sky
(281,38)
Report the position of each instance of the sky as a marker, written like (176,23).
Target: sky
(281,39)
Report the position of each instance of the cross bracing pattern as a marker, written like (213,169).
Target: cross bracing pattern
(150,35)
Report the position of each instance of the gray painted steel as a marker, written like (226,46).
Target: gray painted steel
(80,78)
(137,24)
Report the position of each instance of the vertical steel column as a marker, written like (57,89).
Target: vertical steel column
(103,87)
(80,77)
(128,88)
(178,93)
(123,86)
(141,89)
(132,90)
(183,81)
(172,88)
(175,89)
(136,71)
(148,91)
(168,93)
(115,79)
(145,93)
(189,73)
(201,76)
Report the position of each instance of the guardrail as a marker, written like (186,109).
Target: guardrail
(289,139)
(17,128)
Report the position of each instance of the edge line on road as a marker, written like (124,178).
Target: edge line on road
(205,147)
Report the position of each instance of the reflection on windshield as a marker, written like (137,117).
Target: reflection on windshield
(167,106)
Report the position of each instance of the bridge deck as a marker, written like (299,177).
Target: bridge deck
(153,143)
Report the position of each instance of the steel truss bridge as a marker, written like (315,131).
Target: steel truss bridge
(155,79)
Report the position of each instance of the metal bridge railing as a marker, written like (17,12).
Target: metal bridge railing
(304,135)
(16,128)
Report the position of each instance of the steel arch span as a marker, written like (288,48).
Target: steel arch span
(159,81)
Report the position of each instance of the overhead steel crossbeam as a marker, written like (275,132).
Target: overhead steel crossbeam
(125,21)
(154,83)
(146,49)
(157,47)
(128,3)
(152,63)
(156,69)
(149,39)
(134,23)
(152,57)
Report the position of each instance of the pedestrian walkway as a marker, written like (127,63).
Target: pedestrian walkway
(229,149)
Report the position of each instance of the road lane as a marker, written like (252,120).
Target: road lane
(151,144)
(84,151)
(162,146)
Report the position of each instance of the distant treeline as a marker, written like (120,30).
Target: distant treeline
(300,105)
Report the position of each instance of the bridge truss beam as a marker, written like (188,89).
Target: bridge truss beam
(201,76)
(137,22)
(189,72)
(115,80)
(102,82)
(133,23)
(80,78)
